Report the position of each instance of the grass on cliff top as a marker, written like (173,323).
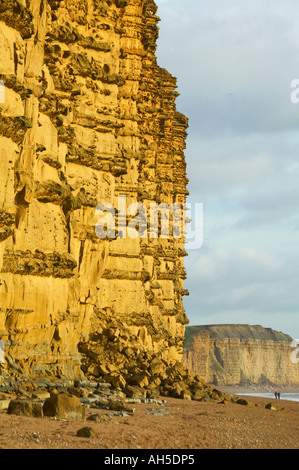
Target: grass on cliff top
(241,332)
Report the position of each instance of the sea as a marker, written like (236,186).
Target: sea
(283,396)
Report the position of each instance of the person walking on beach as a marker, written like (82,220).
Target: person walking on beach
(275,394)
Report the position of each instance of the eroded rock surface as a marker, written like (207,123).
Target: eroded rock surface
(88,116)
(240,354)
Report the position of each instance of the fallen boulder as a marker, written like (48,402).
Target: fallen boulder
(87,432)
(119,405)
(25,408)
(272,406)
(242,401)
(135,392)
(64,405)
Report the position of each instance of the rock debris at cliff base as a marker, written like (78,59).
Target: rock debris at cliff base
(88,116)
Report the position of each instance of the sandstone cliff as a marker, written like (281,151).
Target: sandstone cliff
(88,116)
(240,354)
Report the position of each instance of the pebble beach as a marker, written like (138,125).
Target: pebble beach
(164,424)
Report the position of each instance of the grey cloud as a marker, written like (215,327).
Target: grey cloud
(245,285)
(235,62)
(234,71)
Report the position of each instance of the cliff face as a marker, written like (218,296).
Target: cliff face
(88,116)
(240,354)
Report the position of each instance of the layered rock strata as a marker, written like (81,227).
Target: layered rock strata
(88,117)
(241,354)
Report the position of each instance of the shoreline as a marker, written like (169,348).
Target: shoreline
(254,388)
(235,388)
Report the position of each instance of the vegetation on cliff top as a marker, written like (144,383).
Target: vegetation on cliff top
(239,331)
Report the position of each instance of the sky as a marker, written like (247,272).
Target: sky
(235,61)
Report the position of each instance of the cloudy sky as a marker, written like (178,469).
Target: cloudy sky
(235,61)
